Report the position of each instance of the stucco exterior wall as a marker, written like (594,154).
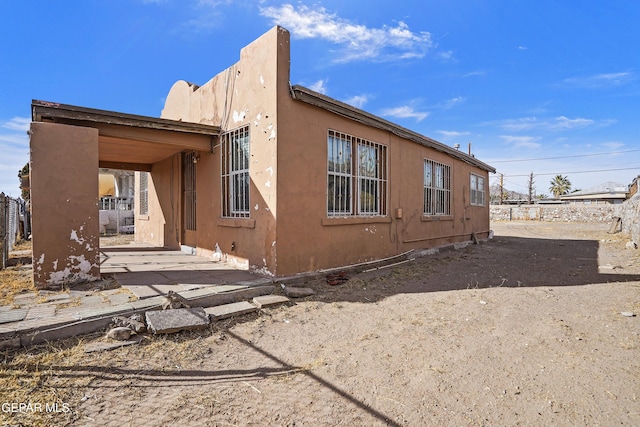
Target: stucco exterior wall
(289,230)
(243,95)
(64,182)
(309,240)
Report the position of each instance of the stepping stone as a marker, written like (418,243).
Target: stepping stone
(228,310)
(269,300)
(180,319)
(295,292)
(8,316)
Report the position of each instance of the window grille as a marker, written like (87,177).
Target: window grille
(437,188)
(235,173)
(189,160)
(477,190)
(355,162)
(144,193)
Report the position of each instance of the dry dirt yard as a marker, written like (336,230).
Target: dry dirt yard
(525,329)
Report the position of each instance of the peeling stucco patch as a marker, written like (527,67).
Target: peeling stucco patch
(256,207)
(78,269)
(239,116)
(75,238)
(270,170)
(267,184)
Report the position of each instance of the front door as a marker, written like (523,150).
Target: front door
(189,160)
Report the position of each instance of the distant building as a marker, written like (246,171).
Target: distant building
(605,193)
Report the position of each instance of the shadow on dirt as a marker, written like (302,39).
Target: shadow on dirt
(503,262)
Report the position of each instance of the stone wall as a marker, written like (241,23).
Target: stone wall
(555,213)
(629,212)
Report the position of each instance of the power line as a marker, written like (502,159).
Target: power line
(561,157)
(574,172)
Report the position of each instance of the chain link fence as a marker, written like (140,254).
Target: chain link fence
(15,224)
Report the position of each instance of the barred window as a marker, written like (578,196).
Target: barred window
(477,190)
(356,177)
(144,193)
(437,188)
(235,173)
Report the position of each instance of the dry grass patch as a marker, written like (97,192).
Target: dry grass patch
(14,281)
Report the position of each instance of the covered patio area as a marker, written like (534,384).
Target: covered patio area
(150,271)
(68,146)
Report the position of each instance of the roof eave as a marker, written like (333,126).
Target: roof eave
(303,94)
(55,111)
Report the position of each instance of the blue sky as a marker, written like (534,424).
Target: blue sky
(545,86)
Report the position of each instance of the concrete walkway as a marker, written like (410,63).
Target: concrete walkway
(144,274)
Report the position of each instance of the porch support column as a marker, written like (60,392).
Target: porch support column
(64,204)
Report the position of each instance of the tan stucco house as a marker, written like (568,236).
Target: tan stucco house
(275,177)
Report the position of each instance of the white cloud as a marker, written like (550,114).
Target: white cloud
(601,80)
(14,146)
(522,141)
(359,41)
(560,123)
(358,101)
(450,103)
(320,86)
(563,122)
(18,124)
(475,73)
(405,112)
(447,56)
(520,124)
(613,145)
(452,133)
(523,48)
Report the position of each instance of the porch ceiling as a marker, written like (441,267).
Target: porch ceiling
(128,141)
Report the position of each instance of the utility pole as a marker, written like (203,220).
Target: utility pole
(501,187)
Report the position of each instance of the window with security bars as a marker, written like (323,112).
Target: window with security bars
(437,188)
(356,176)
(235,173)
(477,190)
(143,198)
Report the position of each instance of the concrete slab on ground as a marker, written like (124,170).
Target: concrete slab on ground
(180,319)
(269,300)
(14,315)
(228,310)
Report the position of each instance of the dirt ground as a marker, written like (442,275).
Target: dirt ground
(525,329)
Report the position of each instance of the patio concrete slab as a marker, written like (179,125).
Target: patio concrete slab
(152,290)
(41,311)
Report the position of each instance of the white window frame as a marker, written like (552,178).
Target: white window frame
(234,158)
(477,190)
(356,176)
(437,188)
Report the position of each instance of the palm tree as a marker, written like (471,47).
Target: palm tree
(560,185)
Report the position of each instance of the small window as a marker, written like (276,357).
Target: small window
(437,188)
(144,193)
(235,173)
(477,190)
(356,177)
